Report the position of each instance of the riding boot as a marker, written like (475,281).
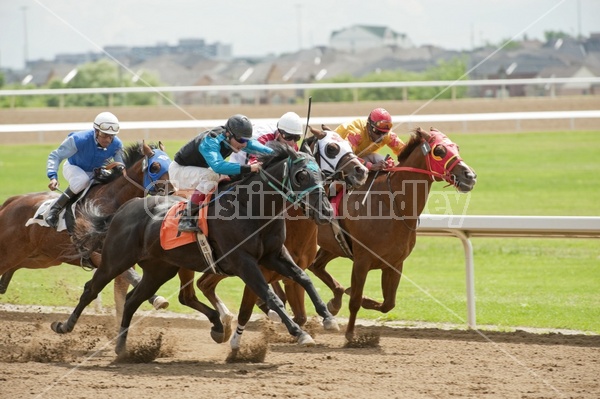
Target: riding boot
(188,221)
(57,207)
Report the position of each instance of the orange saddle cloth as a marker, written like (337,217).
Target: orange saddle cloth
(170,236)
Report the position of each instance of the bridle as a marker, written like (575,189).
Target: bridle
(151,178)
(438,168)
(286,186)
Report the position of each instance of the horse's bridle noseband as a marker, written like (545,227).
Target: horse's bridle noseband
(437,167)
(286,188)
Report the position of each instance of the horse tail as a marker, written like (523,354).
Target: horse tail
(91,227)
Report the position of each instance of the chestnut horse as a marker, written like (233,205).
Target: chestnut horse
(383,232)
(37,247)
(245,229)
(340,164)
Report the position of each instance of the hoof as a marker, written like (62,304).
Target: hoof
(218,337)
(160,303)
(334,310)
(305,340)
(57,327)
(331,324)
(273,316)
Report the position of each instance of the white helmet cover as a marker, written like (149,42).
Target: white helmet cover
(107,123)
(290,123)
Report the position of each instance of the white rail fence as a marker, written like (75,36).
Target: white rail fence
(572,116)
(469,226)
(550,83)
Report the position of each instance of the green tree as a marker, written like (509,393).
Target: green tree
(551,35)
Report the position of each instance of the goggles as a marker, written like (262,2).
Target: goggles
(241,140)
(288,136)
(381,127)
(104,126)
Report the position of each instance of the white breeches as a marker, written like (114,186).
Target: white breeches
(78,178)
(193,177)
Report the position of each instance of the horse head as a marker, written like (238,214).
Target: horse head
(146,167)
(298,178)
(442,159)
(336,158)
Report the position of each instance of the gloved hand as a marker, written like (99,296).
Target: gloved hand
(53,185)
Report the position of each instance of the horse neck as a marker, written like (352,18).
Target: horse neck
(411,189)
(271,201)
(117,192)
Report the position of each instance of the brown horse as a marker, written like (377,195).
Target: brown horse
(37,246)
(382,232)
(340,164)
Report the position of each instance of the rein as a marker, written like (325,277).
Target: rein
(433,162)
(287,190)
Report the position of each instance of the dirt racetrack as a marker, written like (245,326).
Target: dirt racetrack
(407,362)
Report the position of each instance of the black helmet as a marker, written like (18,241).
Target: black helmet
(240,126)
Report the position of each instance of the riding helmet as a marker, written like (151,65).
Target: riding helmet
(107,123)
(240,126)
(380,119)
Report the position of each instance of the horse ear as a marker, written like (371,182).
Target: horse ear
(147,150)
(161,146)
(325,127)
(319,134)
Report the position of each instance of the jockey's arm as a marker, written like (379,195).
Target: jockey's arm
(64,151)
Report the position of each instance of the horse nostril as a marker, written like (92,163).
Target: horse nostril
(360,170)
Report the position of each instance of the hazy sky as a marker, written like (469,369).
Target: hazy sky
(260,27)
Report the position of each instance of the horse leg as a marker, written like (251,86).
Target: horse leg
(255,280)
(263,306)
(248,300)
(283,264)
(133,278)
(359,276)
(295,296)
(5,280)
(91,289)
(155,275)
(207,283)
(187,297)
(390,279)
(318,268)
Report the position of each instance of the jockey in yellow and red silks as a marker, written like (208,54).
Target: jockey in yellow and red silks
(367,135)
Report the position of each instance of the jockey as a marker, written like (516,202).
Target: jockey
(84,151)
(288,131)
(199,163)
(366,136)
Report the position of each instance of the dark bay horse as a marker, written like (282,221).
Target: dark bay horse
(245,229)
(382,231)
(335,157)
(38,247)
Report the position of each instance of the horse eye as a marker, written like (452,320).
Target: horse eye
(154,167)
(301,177)
(332,150)
(439,151)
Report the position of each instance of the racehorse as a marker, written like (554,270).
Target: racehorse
(338,161)
(37,246)
(382,232)
(245,228)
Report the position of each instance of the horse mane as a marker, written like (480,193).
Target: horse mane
(415,140)
(280,152)
(131,154)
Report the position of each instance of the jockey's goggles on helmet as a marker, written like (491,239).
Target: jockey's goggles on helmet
(381,127)
(240,140)
(288,136)
(108,127)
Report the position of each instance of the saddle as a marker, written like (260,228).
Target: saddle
(171,237)
(64,222)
